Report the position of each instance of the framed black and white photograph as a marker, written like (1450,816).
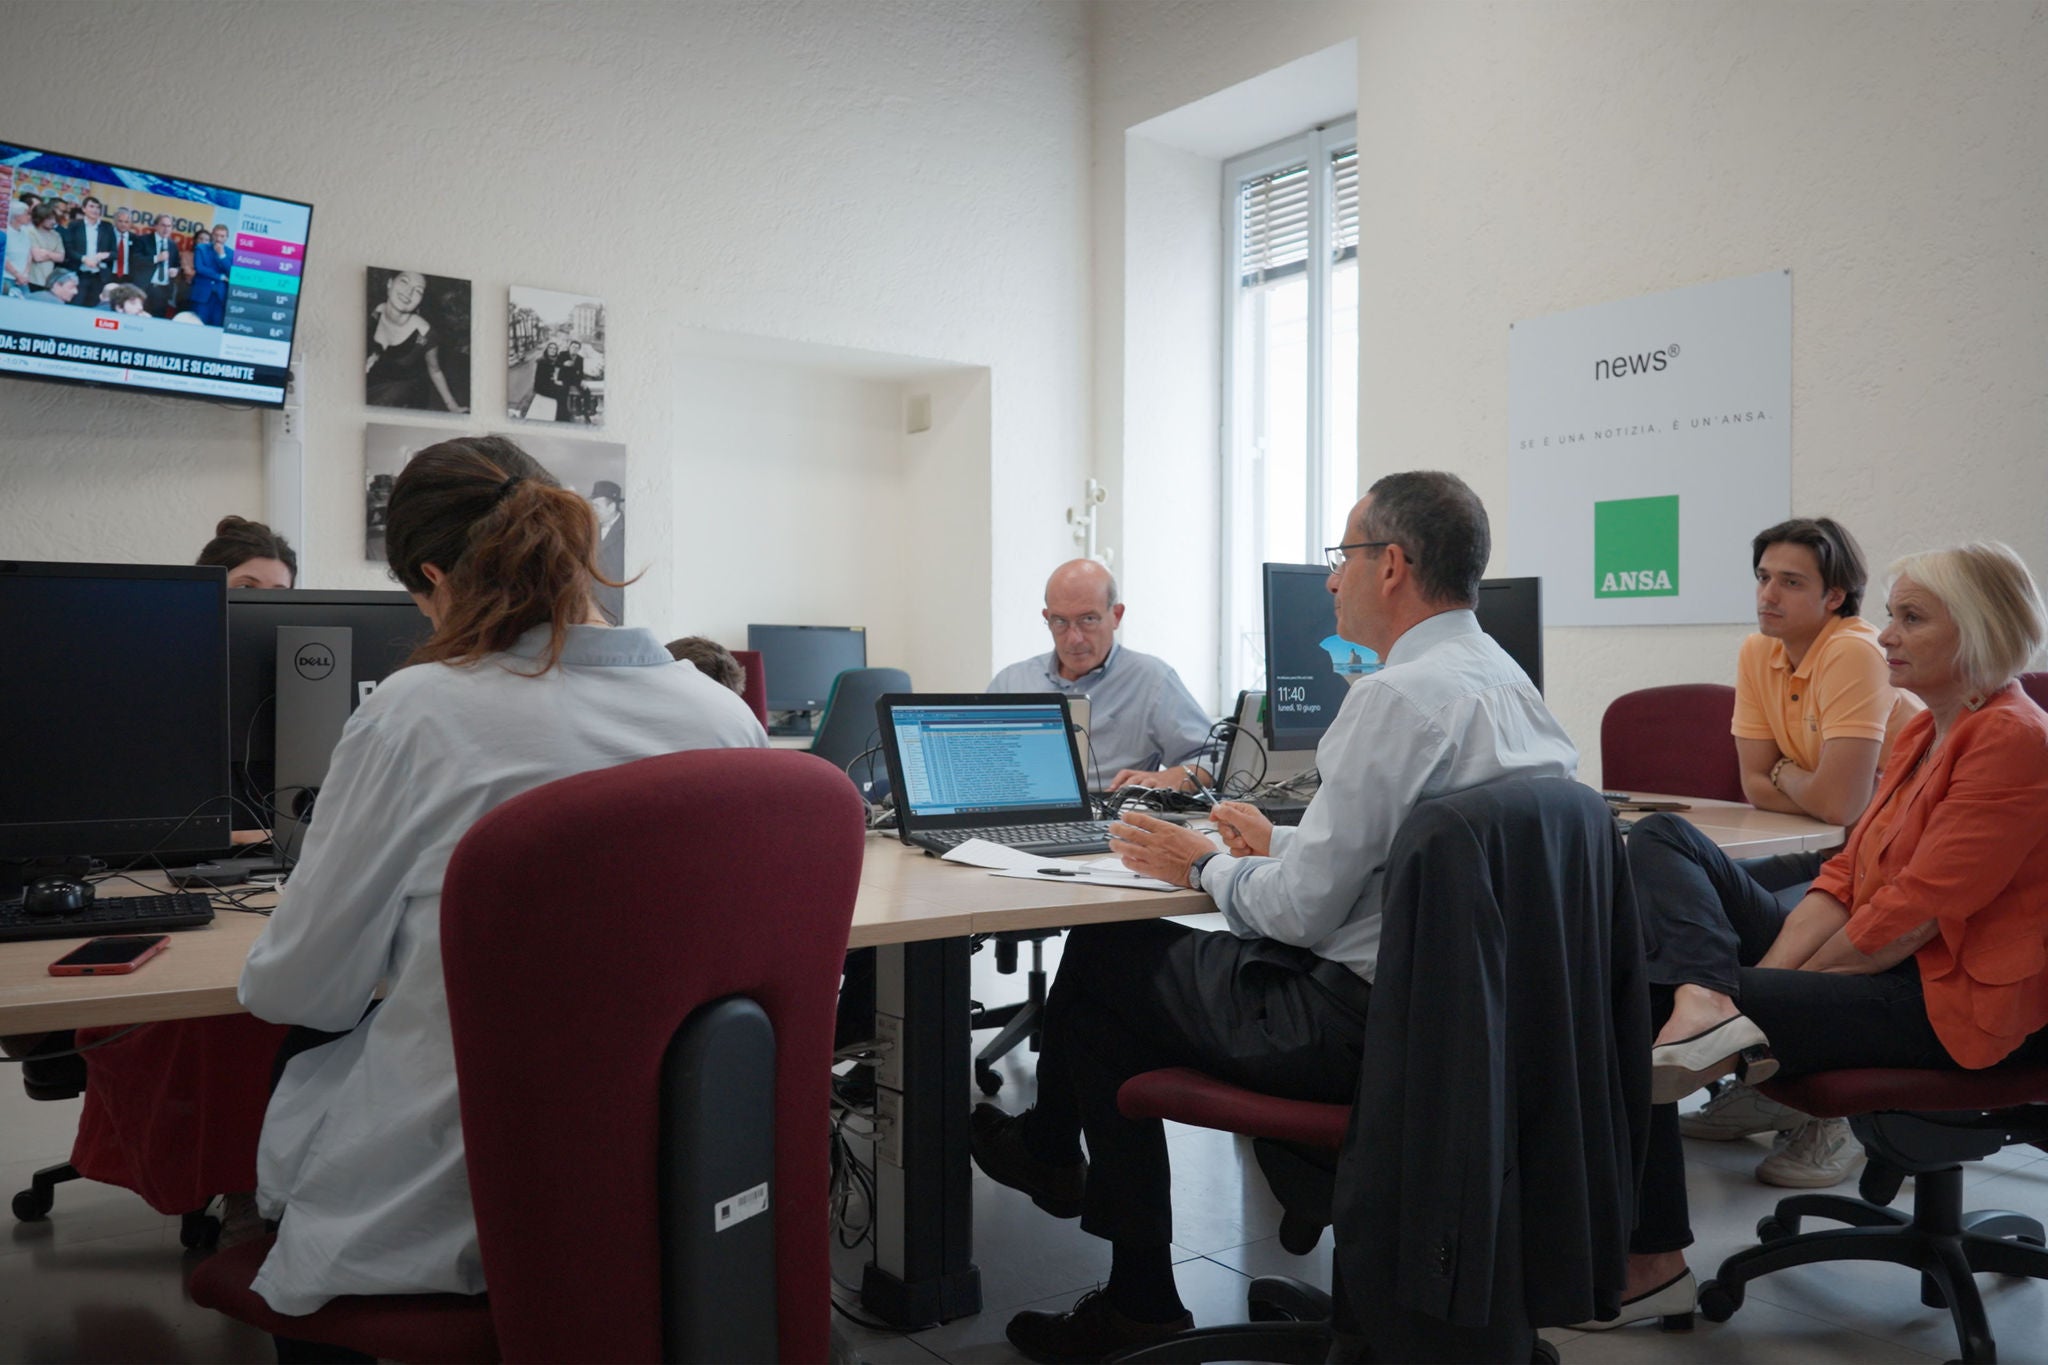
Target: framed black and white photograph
(386,448)
(554,357)
(417,352)
(597,470)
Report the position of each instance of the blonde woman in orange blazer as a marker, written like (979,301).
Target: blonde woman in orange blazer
(1923,943)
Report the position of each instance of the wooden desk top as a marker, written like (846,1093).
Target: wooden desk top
(905,897)
(192,978)
(1743,831)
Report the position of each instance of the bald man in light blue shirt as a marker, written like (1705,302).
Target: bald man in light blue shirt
(1140,714)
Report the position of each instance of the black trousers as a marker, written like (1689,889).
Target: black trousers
(1131,997)
(1706,922)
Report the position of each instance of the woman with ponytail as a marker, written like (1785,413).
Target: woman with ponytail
(521,684)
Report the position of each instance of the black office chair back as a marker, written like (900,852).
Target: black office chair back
(718,1159)
(848,730)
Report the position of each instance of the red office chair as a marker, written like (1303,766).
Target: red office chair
(755,688)
(1672,740)
(640,985)
(2036,686)
(1925,1124)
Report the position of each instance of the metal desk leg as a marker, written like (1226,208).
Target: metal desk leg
(923,1271)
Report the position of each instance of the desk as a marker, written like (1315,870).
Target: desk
(920,912)
(1743,831)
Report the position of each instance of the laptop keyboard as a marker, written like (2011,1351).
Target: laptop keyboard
(1069,836)
(114,915)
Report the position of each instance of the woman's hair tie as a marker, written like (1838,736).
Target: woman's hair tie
(506,487)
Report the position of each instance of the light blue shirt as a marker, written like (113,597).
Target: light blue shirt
(1140,714)
(362,1141)
(1449,711)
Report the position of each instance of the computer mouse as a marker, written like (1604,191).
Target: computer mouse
(56,896)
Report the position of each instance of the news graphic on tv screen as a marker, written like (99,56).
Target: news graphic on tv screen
(128,278)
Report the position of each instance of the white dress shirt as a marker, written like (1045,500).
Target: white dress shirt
(1140,714)
(1449,711)
(362,1151)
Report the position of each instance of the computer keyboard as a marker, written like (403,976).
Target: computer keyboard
(114,915)
(1076,836)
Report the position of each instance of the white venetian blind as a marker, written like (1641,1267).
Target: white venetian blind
(1274,212)
(1344,221)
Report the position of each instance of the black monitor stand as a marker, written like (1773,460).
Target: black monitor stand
(790,724)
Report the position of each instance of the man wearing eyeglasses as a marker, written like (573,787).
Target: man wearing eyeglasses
(1140,714)
(1279,1003)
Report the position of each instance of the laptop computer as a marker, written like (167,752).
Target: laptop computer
(966,765)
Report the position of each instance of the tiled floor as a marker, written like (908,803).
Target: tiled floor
(102,1279)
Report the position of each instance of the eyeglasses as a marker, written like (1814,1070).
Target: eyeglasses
(1060,624)
(1335,553)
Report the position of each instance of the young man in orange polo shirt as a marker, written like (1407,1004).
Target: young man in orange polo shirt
(1815,717)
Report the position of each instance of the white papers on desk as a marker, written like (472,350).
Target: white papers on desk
(1005,861)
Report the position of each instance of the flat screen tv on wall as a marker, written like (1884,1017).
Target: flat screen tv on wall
(132,279)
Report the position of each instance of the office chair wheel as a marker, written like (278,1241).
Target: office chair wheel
(1772,1228)
(1718,1301)
(987,1078)
(32,1205)
(199,1231)
(1543,1354)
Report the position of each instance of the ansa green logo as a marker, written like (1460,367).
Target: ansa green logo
(1635,547)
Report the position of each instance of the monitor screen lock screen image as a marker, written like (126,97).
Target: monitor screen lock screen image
(131,279)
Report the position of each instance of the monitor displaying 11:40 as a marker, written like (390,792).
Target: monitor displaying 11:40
(132,279)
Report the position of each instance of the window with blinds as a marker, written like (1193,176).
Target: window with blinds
(1290,394)
(1273,211)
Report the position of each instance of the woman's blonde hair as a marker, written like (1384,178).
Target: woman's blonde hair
(2001,623)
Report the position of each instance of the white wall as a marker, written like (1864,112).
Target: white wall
(1516,160)
(1171,390)
(900,176)
(797,484)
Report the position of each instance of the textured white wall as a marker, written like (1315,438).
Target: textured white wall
(904,176)
(1516,160)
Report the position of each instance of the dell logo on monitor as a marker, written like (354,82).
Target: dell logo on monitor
(314,662)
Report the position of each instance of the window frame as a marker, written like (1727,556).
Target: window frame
(1316,148)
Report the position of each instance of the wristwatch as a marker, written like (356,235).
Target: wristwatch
(1195,869)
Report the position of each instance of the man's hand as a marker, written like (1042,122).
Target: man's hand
(1155,848)
(1246,832)
(1172,779)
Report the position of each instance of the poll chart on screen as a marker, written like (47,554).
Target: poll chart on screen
(978,759)
(123,277)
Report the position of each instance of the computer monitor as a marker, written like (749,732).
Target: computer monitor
(1309,667)
(1511,611)
(113,711)
(799,662)
(386,627)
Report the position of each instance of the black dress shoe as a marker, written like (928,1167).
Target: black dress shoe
(1091,1330)
(999,1149)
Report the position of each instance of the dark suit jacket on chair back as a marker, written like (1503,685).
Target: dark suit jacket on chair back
(1487,1185)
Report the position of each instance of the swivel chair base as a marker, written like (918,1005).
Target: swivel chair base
(198,1230)
(1946,1245)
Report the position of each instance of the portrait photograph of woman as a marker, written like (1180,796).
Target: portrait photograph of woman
(416,353)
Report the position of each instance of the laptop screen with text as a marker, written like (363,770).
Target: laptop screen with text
(977,760)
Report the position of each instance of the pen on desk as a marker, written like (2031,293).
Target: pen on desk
(1091,872)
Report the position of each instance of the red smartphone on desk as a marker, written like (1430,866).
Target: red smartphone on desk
(114,956)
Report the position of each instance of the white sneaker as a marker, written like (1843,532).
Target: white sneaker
(1737,1112)
(1813,1156)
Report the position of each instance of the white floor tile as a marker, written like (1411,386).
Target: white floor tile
(1761,1334)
